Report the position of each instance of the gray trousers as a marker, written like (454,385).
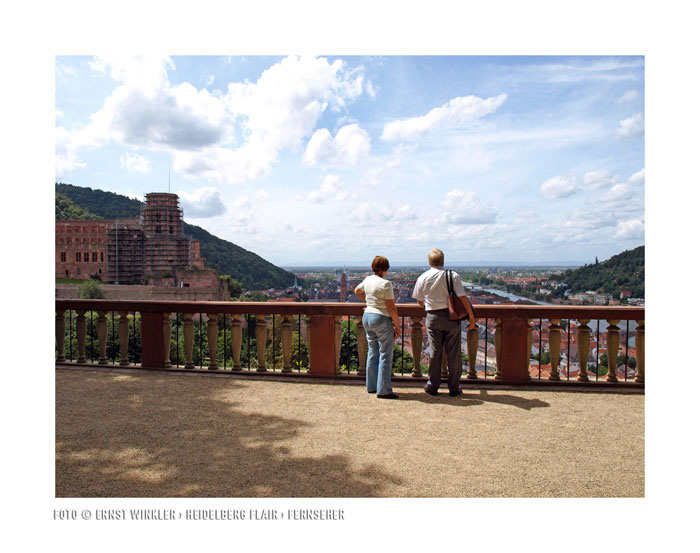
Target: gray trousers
(444,332)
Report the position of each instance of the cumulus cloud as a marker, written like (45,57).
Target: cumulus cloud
(373,212)
(351,143)
(637,178)
(224,137)
(205,202)
(632,229)
(329,190)
(595,180)
(262,195)
(629,96)
(464,208)
(135,163)
(559,187)
(455,113)
(631,127)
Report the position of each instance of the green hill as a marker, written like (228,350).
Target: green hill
(624,271)
(225,257)
(67,209)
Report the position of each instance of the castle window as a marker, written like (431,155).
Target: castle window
(77,257)
(102,256)
(63,257)
(78,270)
(94,257)
(86,257)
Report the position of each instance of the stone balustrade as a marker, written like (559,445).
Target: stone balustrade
(505,330)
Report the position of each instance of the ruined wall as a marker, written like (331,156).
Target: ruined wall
(81,249)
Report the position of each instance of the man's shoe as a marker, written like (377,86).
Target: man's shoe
(456,393)
(388,396)
(431,392)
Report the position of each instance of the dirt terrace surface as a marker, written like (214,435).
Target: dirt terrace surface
(171,435)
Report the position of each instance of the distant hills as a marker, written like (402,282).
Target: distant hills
(624,271)
(255,273)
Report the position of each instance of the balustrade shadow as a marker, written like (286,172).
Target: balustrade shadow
(468,399)
(153,436)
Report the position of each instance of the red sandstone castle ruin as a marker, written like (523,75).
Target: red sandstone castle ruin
(128,250)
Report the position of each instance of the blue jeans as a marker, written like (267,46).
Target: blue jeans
(380,352)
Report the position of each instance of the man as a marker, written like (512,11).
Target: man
(431,292)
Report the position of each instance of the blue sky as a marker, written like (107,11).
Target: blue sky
(328,160)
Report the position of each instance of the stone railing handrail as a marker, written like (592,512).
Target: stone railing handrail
(513,337)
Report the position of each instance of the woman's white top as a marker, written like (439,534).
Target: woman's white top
(377,291)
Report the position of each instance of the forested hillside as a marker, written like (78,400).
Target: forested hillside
(624,271)
(225,257)
(66,209)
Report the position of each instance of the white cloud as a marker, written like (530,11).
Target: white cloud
(351,143)
(559,187)
(456,113)
(262,195)
(67,159)
(225,138)
(135,163)
(632,229)
(464,208)
(373,212)
(329,189)
(202,203)
(629,96)
(631,127)
(637,178)
(596,180)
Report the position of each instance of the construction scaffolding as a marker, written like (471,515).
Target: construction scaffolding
(125,251)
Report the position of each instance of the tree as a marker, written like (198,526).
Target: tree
(402,362)
(90,290)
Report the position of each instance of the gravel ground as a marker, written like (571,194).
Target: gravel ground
(171,435)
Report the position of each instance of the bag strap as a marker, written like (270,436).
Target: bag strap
(450,284)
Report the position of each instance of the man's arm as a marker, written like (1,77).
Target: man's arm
(468,307)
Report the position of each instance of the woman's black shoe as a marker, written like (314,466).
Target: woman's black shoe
(388,396)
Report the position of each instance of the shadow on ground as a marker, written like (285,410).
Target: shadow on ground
(186,439)
(468,399)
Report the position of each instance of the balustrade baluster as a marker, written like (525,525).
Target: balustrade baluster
(236,341)
(286,335)
(554,347)
(102,336)
(361,348)
(497,341)
(167,329)
(530,328)
(81,330)
(639,346)
(261,341)
(123,338)
(583,343)
(338,342)
(613,345)
(212,339)
(416,345)
(188,338)
(60,336)
(472,350)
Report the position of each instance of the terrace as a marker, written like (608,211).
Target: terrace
(243,399)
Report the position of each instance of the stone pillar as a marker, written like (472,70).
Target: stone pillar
(554,347)
(338,342)
(212,340)
(497,339)
(583,343)
(322,346)
(236,341)
(123,338)
(613,345)
(188,335)
(472,350)
(167,332)
(152,342)
(416,345)
(530,328)
(81,330)
(102,336)
(514,353)
(639,346)
(60,336)
(361,348)
(286,343)
(261,341)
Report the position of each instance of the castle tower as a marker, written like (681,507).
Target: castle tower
(166,246)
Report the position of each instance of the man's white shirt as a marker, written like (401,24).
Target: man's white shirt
(431,288)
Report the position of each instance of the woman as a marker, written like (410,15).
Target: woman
(381,322)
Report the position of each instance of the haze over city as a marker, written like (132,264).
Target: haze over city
(329,160)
